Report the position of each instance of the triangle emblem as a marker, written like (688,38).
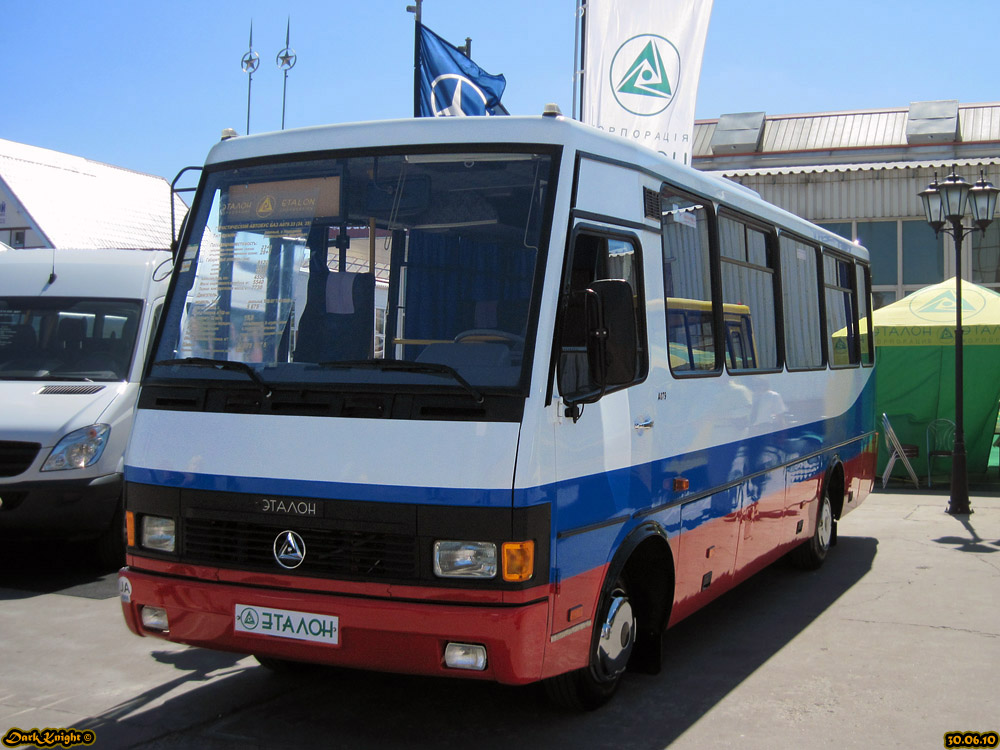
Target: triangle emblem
(647,75)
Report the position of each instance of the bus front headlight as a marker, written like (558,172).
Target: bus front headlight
(78,449)
(465,559)
(158,533)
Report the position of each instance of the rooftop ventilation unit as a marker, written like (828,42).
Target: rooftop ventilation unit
(933,122)
(738,133)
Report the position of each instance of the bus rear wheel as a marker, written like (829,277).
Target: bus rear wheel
(811,554)
(611,646)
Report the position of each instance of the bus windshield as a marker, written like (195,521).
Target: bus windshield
(382,269)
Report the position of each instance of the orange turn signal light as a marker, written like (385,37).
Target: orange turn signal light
(518,561)
(130,527)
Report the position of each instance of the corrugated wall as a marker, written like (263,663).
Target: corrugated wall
(826,196)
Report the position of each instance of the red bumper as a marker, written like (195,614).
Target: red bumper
(374,633)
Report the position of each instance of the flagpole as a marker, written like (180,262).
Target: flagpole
(581,30)
(576,52)
(415,9)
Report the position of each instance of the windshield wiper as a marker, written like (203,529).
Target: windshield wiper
(403,365)
(221,364)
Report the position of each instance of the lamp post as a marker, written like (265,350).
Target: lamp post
(945,203)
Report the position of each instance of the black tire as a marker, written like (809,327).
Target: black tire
(110,546)
(281,666)
(611,646)
(811,554)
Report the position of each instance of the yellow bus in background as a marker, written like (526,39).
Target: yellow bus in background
(690,324)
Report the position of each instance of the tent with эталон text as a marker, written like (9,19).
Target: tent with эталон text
(915,374)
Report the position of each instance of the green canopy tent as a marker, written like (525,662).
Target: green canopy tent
(915,376)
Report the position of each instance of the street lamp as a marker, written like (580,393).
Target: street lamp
(945,203)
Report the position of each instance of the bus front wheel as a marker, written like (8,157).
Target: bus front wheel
(611,646)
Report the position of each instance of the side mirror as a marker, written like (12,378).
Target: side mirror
(599,344)
(611,346)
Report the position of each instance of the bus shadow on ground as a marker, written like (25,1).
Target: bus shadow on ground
(32,567)
(707,656)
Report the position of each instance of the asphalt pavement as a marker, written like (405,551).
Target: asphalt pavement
(892,643)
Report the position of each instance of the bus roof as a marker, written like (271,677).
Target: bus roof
(509,132)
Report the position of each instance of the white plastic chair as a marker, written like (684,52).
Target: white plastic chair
(896,453)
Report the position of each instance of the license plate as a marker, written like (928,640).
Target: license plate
(283,623)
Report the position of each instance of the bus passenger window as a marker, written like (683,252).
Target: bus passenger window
(865,316)
(687,282)
(800,294)
(748,295)
(841,317)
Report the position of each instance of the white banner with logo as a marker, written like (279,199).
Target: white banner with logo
(642,61)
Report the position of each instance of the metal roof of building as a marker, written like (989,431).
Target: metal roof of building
(851,137)
(858,166)
(79,203)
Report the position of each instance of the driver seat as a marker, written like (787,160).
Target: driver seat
(338,325)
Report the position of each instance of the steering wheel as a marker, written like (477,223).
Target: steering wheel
(489,336)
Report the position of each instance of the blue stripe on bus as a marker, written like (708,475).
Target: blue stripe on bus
(751,463)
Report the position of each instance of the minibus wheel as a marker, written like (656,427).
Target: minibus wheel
(611,646)
(111,544)
(811,554)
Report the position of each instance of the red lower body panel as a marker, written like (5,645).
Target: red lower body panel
(374,633)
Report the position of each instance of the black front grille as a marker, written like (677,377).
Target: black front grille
(329,552)
(16,457)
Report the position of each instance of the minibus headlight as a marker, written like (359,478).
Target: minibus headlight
(158,533)
(78,449)
(465,559)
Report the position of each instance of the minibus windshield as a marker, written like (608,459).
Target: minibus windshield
(309,271)
(67,338)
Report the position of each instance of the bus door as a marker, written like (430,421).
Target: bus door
(602,444)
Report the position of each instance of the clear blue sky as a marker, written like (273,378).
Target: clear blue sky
(150,85)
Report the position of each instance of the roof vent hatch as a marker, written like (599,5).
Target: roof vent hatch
(933,122)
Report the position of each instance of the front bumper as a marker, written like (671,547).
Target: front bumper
(380,634)
(61,508)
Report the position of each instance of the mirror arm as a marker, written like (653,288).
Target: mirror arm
(573,410)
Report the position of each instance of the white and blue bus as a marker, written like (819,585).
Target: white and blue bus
(496,398)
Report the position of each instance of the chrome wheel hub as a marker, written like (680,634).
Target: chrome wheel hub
(617,638)
(825,531)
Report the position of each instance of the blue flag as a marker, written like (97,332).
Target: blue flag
(451,84)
